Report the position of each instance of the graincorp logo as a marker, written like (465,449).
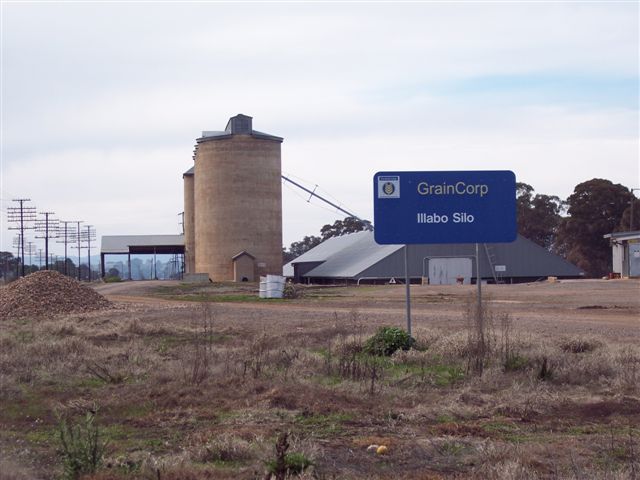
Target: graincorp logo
(459,188)
(388,187)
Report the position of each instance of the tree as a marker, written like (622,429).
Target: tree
(339,227)
(596,207)
(306,244)
(8,266)
(298,248)
(626,224)
(342,227)
(538,215)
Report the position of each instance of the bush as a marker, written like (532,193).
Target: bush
(295,463)
(387,340)
(286,464)
(579,345)
(82,449)
(112,279)
(515,362)
(290,291)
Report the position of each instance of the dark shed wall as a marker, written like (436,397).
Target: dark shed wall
(301,269)
(522,258)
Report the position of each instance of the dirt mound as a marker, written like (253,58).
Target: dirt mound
(47,293)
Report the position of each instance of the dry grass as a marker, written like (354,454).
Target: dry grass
(202,391)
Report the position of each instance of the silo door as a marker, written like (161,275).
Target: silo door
(634,259)
(449,271)
(244,268)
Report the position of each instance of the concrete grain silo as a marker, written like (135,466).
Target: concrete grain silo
(237,203)
(189,222)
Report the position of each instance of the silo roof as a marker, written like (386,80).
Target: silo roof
(211,136)
(189,172)
(237,125)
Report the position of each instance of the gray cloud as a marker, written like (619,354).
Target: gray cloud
(109,98)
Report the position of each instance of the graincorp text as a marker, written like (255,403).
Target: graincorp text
(459,188)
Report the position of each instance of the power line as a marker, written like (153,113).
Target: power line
(48,227)
(22,215)
(67,235)
(88,236)
(78,238)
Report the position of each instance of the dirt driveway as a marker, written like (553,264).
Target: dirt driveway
(600,307)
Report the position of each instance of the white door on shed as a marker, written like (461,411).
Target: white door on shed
(446,271)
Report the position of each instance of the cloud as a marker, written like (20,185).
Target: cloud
(102,102)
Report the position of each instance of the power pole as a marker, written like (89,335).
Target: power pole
(23,216)
(78,222)
(17,241)
(48,228)
(633,200)
(89,236)
(66,234)
(31,250)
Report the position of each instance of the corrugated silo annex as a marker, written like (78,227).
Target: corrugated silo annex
(237,203)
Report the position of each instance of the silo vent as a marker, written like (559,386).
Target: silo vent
(240,124)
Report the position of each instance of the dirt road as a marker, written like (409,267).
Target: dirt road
(610,308)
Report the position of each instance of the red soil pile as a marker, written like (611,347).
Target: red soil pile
(48,293)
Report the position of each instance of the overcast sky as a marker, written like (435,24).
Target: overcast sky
(102,102)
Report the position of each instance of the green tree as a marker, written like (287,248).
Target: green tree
(538,215)
(626,224)
(342,227)
(8,266)
(595,208)
(307,243)
(339,227)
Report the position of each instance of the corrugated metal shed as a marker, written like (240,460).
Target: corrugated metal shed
(112,244)
(358,256)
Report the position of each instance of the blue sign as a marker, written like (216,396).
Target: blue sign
(444,207)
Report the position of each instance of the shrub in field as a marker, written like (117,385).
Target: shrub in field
(586,369)
(224,448)
(349,360)
(512,360)
(290,291)
(515,362)
(82,449)
(198,355)
(286,464)
(579,345)
(628,361)
(294,464)
(387,340)
(480,336)
(545,369)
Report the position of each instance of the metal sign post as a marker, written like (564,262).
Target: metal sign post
(407,281)
(444,207)
(478,280)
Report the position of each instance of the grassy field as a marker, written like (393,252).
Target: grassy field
(200,382)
